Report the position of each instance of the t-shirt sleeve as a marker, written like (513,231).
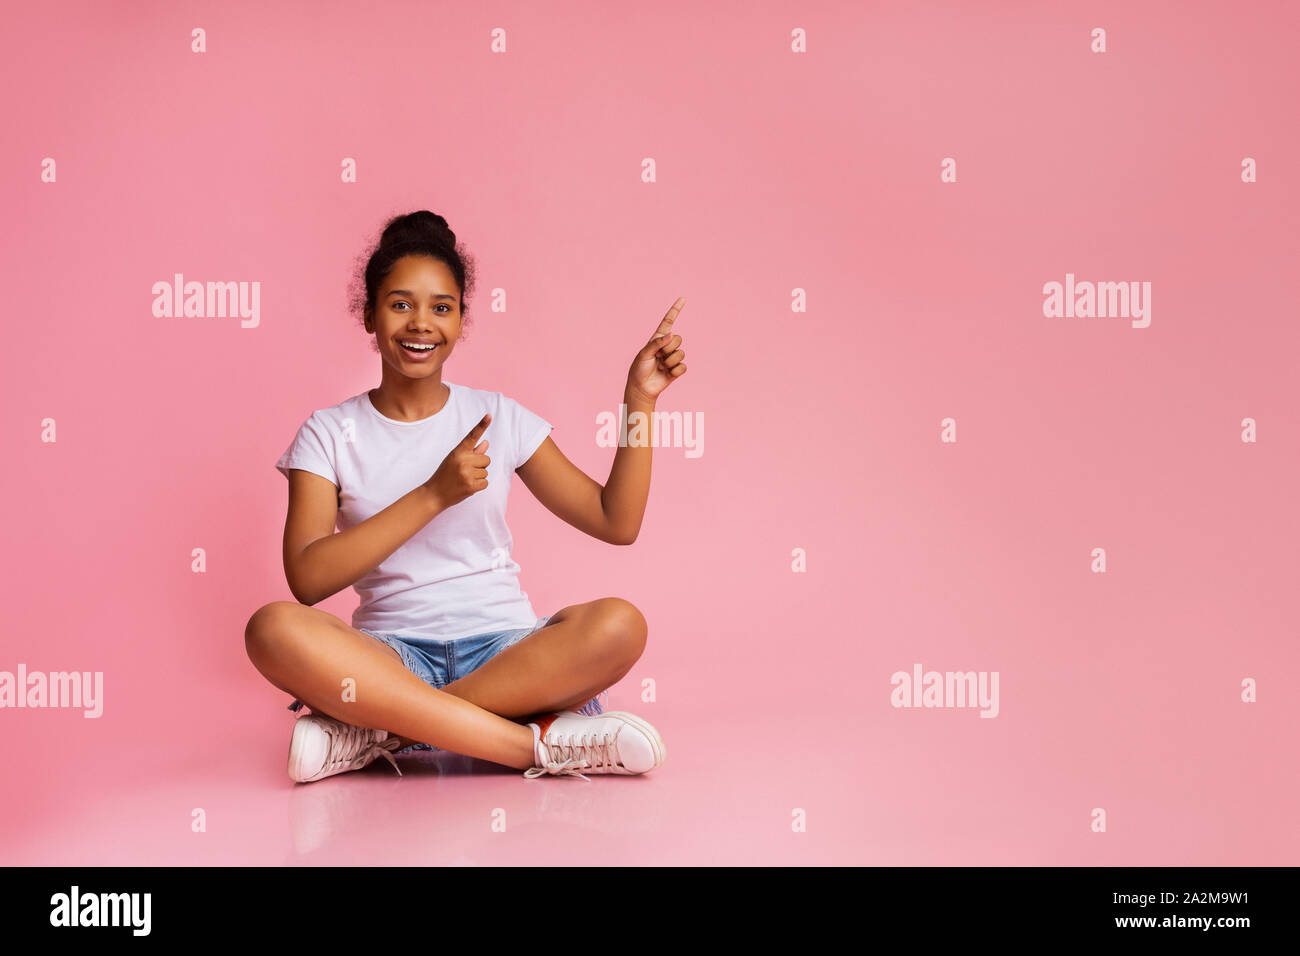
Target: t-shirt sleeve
(310,451)
(530,430)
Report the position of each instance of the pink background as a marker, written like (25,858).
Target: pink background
(776,171)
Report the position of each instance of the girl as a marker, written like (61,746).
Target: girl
(445,651)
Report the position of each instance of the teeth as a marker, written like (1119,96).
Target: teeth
(419,348)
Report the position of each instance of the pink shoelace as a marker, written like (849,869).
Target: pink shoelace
(352,747)
(568,752)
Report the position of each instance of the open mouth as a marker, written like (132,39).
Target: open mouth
(418,351)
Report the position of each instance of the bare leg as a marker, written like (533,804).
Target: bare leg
(582,650)
(309,653)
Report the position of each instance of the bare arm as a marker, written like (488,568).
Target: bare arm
(319,562)
(612,513)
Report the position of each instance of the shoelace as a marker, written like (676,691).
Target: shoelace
(351,746)
(567,753)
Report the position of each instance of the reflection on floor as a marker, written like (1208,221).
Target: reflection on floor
(721,797)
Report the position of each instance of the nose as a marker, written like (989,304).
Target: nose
(426,316)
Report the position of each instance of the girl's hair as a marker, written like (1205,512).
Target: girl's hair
(421,233)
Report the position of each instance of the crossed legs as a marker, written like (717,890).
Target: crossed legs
(582,650)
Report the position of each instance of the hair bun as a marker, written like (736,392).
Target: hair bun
(422,226)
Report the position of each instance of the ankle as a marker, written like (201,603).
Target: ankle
(528,753)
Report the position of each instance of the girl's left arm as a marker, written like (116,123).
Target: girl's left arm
(611,513)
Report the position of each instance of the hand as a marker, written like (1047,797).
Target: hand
(659,363)
(464,471)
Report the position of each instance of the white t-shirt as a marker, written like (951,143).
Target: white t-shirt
(454,577)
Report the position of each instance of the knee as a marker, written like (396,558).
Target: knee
(267,627)
(621,631)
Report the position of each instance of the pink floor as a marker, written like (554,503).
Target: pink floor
(726,795)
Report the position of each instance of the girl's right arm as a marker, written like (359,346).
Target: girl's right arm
(319,562)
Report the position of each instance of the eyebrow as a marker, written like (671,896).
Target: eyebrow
(441,295)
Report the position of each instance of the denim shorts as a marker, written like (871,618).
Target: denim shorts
(441,662)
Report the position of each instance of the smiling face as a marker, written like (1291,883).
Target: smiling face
(418,304)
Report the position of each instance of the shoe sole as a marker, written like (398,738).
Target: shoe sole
(296,742)
(656,742)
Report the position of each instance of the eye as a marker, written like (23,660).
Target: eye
(441,305)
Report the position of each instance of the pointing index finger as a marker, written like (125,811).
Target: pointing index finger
(478,430)
(670,317)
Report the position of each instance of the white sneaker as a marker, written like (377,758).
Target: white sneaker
(322,746)
(615,742)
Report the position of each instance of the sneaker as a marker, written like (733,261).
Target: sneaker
(568,742)
(322,746)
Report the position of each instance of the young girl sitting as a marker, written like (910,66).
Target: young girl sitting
(445,650)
